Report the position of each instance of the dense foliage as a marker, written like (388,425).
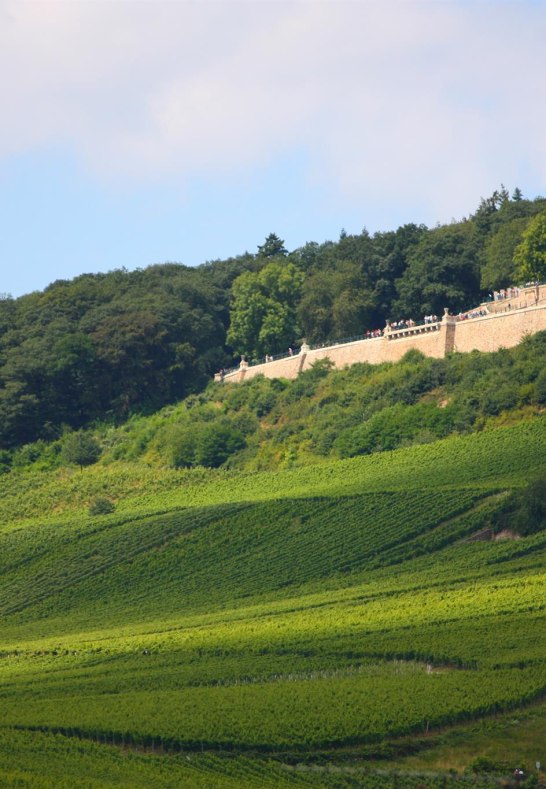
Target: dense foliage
(104,347)
(323,414)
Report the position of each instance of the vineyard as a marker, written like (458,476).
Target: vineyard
(319,626)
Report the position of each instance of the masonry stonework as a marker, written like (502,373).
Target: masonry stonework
(500,330)
(488,333)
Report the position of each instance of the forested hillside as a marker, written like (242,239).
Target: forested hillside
(103,347)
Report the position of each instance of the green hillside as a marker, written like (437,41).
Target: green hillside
(106,347)
(328,625)
(325,414)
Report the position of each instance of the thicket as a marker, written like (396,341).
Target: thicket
(108,346)
(324,413)
(524,512)
(101,505)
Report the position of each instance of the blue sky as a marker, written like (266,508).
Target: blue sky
(138,132)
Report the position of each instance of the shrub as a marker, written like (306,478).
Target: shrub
(181,446)
(101,506)
(81,448)
(482,764)
(5,461)
(216,442)
(524,511)
(540,385)
(204,444)
(396,426)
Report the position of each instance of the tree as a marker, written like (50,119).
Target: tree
(499,270)
(443,272)
(272,246)
(263,312)
(504,195)
(82,449)
(530,255)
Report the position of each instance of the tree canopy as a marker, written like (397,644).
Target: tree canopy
(107,346)
(81,449)
(531,253)
(263,313)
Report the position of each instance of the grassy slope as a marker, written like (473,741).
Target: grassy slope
(288,611)
(493,458)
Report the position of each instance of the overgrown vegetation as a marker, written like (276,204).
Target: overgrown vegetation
(324,414)
(524,512)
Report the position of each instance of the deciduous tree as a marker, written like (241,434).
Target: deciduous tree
(531,253)
(263,313)
(82,449)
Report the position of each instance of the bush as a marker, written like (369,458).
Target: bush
(204,444)
(215,443)
(524,511)
(396,426)
(5,461)
(540,389)
(40,454)
(101,506)
(81,448)
(482,764)
(180,446)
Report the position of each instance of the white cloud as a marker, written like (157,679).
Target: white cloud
(429,101)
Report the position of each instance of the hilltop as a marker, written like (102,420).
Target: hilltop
(105,347)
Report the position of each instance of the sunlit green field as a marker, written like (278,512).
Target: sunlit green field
(311,626)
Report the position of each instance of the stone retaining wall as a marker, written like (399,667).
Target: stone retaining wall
(489,333)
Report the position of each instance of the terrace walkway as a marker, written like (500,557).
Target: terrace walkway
(492,325)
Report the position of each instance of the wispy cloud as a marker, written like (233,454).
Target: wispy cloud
(427,100)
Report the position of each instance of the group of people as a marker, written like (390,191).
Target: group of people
(270,358)
(403,324)
(504,293)
(409,323)
(463,316)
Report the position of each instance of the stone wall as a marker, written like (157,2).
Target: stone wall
(500,330)
(488,333)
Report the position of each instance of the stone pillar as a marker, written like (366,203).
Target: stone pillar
(304,350)
(449,325)
(243,367)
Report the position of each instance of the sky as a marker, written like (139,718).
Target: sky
(136,132)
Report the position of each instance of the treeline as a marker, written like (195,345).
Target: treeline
(337,290)
(105,346)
